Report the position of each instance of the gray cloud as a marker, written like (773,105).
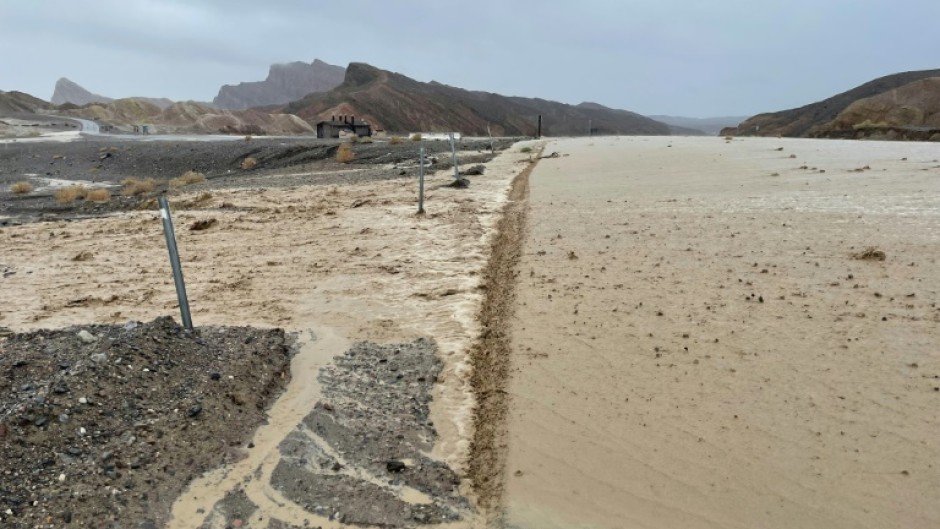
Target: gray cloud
(685,57)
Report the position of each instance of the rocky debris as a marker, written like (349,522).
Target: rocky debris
(870,254)
(374,421)
(107,433)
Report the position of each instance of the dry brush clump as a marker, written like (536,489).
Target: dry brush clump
(186,179)
(395,140)
(870,254)
(345,153)
(21,188)
(99,194)
(137,186)
(70,194)
(416,137)
(249,163)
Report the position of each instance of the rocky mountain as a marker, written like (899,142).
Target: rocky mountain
(21,103)
(285,83)
(396,103)
(188,117)
(707,126)
(810,120)
(67,91)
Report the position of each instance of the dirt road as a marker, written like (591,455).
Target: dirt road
(701,342)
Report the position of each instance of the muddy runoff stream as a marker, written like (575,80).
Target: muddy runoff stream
(375,427)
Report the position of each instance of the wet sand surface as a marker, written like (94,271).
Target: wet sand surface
(339,265)
(697,345)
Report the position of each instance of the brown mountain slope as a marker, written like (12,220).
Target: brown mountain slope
(801,122)
(912,108)
(21,103)
(285,83)
(190,117)
(394,102)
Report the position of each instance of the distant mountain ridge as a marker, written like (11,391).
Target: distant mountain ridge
(811,120)
(285,83)
(708,126)
(394,102)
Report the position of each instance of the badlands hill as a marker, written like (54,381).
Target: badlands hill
(909,112)
(814,119)
(21,103)
(393,102)
(285,83)
(70,93)
(189,117)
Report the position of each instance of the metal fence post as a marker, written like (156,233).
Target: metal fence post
(421,183)
(175,263)
(453,151)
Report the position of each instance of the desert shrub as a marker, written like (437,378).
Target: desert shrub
(21,188)
(248,138)
(249,163)
(395,140)
(98,195)
(70,194)
(525,150)
(366,139)
(353,139)
(345,153)
(416,137)
(136,186)
(186,179)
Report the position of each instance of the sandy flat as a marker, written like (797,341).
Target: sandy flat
(695,345)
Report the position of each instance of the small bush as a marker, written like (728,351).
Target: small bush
(366,139)
(21,188)
(416,137)
(395,140)
(525,150)
(136,186)
(98,195)
(249,163)
(188,178)
(345,153)
(70,194)
(248,138)
(353,139)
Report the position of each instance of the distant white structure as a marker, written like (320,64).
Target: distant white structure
(432,136)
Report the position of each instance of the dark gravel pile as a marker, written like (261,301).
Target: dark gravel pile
(363,443)
(103,426)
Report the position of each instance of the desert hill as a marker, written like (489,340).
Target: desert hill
(809,120)
(394,102)
(189,117)
(285,83)
(909,112)
(21,103)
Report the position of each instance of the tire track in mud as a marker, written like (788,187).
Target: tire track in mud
(490,355)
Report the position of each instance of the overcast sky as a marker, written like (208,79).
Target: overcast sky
(682,57)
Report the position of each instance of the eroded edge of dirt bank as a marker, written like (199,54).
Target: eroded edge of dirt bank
(489,355)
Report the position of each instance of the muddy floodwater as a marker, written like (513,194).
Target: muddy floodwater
(702,341)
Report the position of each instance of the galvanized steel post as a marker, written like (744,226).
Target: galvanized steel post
(175,263)
(453,151)
(421,182)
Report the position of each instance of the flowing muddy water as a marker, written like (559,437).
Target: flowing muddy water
(699,342)
(355,260)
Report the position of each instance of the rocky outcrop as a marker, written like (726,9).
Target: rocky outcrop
(67,91)
(396,103)
(285,83)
